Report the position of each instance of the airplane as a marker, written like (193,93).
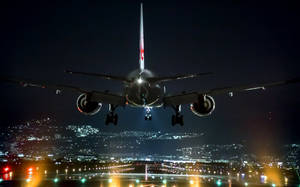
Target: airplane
(142,88)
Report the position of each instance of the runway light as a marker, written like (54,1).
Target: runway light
(83,180)
(164,181)
(219,182)
(55,180)
(6,169)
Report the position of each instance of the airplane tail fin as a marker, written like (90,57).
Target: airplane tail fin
(141,55)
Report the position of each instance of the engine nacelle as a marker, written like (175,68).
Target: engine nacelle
(204,107)
(86,107)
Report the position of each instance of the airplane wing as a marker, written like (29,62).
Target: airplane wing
(104,76)
(176,77)
(96,96)
(188,98)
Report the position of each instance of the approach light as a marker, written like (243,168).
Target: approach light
(83,180)
(55,180)
(219,182)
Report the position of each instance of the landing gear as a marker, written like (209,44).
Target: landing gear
(111,117)
(148,115)
(177,118)
(148,118)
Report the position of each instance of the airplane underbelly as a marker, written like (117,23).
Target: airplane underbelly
(141,96)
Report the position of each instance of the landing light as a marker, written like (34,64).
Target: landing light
(139,80)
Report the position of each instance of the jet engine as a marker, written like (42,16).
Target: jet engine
(87,107)
(204,107)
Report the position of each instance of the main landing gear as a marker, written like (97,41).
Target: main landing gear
(111,117)
(177,118)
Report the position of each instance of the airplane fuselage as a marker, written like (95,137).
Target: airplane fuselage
(140,92)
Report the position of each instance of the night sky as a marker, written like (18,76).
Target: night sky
(240,42)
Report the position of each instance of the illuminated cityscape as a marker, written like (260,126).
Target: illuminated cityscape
(70,155)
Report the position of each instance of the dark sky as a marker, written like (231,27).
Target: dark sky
(240,42)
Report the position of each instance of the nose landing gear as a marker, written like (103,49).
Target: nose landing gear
(148,115)
(111,117)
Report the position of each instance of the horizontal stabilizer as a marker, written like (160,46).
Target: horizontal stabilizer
(177,77)
(104,76)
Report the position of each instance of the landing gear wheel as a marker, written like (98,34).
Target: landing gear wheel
(111,117)
(177,118)
(115,119)
(173,120)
